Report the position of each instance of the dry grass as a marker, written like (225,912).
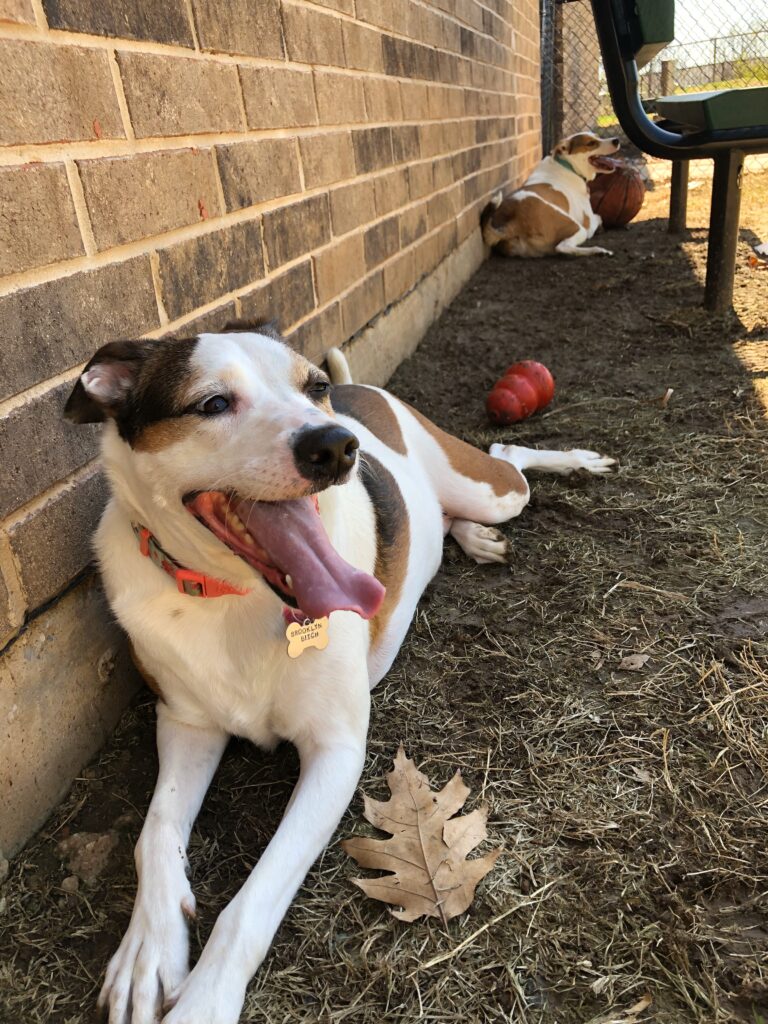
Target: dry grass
(632,804)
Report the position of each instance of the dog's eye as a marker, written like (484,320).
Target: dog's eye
(214,405)
(318,388)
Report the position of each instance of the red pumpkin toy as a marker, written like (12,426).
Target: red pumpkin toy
(525,387)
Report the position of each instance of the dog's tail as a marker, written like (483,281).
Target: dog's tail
(338,367)
(490,234)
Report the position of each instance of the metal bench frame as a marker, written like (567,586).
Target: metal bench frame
(726,147)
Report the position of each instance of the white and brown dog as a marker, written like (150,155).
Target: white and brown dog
(249,495)
(551,213)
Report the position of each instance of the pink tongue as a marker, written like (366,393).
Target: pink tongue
(605,163)
(293,535)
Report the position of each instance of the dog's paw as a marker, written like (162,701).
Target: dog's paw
(151,961)
(604,252)
(591,462)
(483,544)
(208,996)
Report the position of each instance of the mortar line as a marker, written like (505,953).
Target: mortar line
(144,246)
(39,501)
(157,283)
(85,149)
(66,37)
(122,102)
(40,19)
(10,574)
(14,402)
(81,207)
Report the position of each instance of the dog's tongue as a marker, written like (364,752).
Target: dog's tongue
(604,163)
(293,535)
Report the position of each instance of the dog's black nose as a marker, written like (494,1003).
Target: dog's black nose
(325,454)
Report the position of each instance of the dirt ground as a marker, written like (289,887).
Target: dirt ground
(632,804)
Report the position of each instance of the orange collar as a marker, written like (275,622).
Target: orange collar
(189,582)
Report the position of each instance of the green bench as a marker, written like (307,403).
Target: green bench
(723,125)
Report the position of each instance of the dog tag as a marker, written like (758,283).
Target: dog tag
(309,633)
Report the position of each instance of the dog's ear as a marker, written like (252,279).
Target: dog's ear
(107,381)
(261,325)
(560,148)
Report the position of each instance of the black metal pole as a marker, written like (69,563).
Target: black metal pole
(678,199)
(723,229)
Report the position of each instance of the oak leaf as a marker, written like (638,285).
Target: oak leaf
(427,851)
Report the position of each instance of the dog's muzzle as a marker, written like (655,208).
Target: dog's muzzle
(326,454)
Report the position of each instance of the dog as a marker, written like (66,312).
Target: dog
(254,496)
(551,212)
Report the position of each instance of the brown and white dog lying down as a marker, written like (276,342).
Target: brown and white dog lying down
(250,492)
(551,212)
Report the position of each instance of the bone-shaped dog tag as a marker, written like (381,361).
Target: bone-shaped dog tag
(303,635)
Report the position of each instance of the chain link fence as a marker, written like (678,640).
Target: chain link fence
(717,46)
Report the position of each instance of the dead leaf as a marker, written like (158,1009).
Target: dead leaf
(427,853)
(628,1016)
(633,662)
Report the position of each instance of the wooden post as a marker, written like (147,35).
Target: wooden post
(667,84)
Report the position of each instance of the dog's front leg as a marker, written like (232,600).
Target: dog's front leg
(214,991)
(153,957)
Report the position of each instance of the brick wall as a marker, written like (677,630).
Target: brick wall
(168,167)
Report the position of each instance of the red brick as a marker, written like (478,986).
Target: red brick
(340,98)
(179,96)
(346,6)
(363,304)
(54,543)
(392,15)
(196,272)
(420,180)
(291,231)
(287,298)
(414,98)
(373,149)
(312,37)
(19,11)
(382,100)
(10,620)
(254,172)
(37,218)
(352,205)
(278,97)
(55,94)
(326,158)
(64,321)
(362,47)
(128,19)
(399,276)
(406,145)
(212,322)
(413,224)
(391,191)
(240,26)
(381,242)
(338,267)
(130,197)
(38,447)
(316,335)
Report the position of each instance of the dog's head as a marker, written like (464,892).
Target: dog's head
(239,430)
(586,153)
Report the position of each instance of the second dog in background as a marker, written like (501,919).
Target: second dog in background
(551,212)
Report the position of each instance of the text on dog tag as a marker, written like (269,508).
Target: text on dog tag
(303,635)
